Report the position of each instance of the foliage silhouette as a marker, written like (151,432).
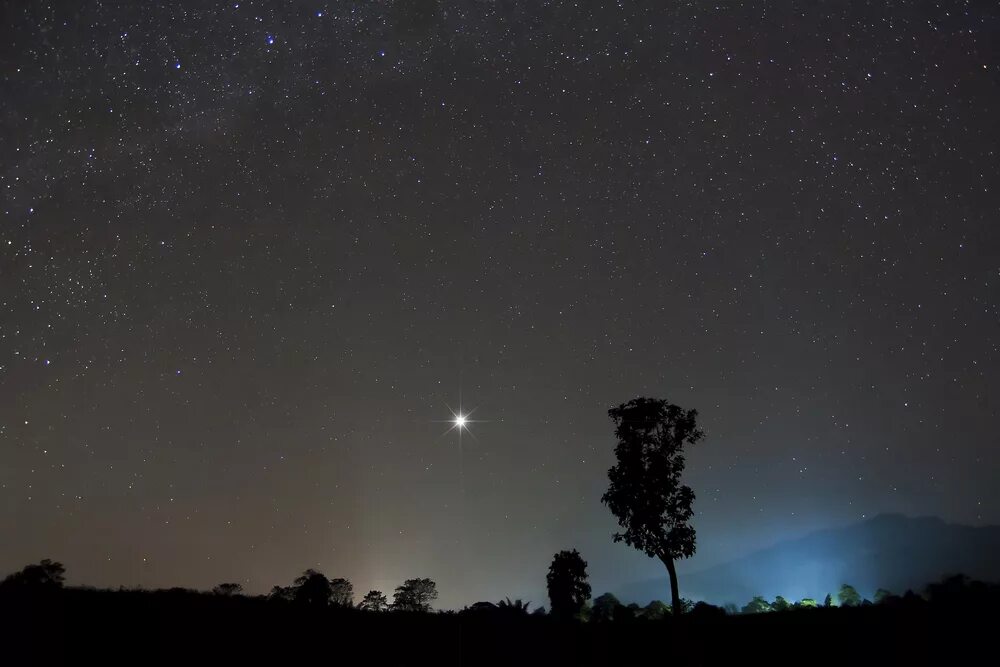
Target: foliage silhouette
(655,610)
(415,595)
(605,607)
(52,624)
(46,574)
(628,612)
(312,588)
(881,595)
(705,610)
(848,596)
(567,584)
(228,589)
(374,601)
(958,589)
(757,605)
(341,593)
(282,593)
(515,607)
(645,492)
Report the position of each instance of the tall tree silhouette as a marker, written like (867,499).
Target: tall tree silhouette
(567,584)
(645,492)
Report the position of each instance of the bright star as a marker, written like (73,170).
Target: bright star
(460,421)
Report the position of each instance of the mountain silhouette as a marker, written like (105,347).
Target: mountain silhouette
(890,551)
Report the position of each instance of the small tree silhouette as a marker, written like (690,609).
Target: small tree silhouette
(415,595)
(374,601)
(567,584)
(645,492)
(228,589)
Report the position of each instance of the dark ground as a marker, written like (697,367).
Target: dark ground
(81,626)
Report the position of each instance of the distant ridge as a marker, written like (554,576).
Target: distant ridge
(889,551)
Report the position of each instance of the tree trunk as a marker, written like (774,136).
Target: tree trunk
(675,595)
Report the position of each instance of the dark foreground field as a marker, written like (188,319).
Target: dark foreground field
(81,626)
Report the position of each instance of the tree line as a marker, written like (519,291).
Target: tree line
(569,593)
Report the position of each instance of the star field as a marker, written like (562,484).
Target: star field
(250,251)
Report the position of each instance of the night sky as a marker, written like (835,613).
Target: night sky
(251,255)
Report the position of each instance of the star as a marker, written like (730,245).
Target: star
(460,421)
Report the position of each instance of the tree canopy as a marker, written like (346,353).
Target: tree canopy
(415,595)
(757,605)
(45,574)
(605,607)
(312,588)
(228,589)
(341,593)
(374,601)
(848,596)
